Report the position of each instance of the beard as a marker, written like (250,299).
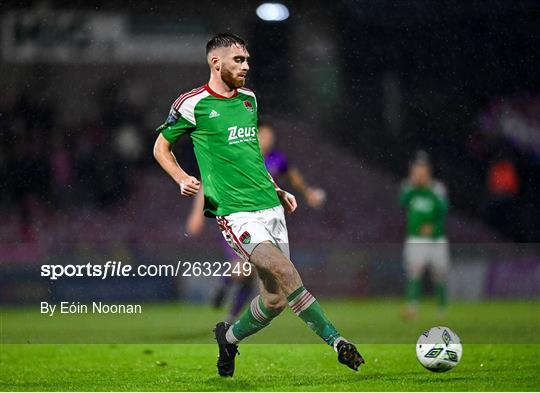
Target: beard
(230,80)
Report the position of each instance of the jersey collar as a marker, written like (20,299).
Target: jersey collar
(212,92)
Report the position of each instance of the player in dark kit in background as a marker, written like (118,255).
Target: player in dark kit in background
(278,166)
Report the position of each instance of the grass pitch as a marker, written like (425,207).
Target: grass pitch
(260,367)
(510,362)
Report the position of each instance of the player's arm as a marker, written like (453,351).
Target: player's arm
(176,125)
(195,221)
(163,154)
(288,200)
(314,197)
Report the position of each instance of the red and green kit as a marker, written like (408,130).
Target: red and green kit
(424,205)
(224,135)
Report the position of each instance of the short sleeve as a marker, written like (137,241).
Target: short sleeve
(175,126)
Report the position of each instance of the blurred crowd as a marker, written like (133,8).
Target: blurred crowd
(47,166)
(507,146)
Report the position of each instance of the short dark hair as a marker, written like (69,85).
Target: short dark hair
(421,156)
(224,40)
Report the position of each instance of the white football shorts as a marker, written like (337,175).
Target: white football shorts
(419,253)
(243,231)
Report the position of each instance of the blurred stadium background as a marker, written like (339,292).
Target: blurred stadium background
(353,88)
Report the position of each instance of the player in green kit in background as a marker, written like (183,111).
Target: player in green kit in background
(221,120)
(426,205)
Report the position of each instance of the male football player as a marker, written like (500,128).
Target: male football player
(221,120)
(426,205)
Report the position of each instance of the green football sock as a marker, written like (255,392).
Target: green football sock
(440,294)
(308,308)
(413,290)
(253,319)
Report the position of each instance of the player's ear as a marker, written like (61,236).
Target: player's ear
(215,62)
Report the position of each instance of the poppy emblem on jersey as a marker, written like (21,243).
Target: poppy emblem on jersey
(245,237)
(248,106)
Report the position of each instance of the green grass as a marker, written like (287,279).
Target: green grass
(270,367)
(500,352)
(365,321)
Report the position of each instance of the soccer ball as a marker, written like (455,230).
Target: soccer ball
(439,349)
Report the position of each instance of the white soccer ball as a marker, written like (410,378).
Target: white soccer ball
(439,349)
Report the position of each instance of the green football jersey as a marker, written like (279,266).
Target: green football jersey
(424,205)
(224,135)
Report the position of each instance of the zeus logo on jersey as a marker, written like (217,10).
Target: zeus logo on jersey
(242,134)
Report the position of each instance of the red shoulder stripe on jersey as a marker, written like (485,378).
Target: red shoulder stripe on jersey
(181,96)
(245,88)
(180,100)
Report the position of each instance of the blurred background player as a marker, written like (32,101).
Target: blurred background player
(425,202)
(278,166)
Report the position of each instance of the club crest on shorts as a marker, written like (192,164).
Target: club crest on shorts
(248,106)
(245,237)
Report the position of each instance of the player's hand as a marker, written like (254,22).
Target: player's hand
(288,201)
(426,230)
(189,186)
(315,197)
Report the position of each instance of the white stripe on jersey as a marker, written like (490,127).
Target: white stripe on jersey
(187,107)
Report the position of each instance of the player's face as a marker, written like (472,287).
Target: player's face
(266,139)
(420,175)
(234,66)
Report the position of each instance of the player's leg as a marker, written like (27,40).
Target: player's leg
(263,308)
(301,301)
(273,258)
(242,295)
(414,264)
(226,283)
(254,318)
(282,275)
(221,291)
(439,270)
(249,233)
(281,285)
